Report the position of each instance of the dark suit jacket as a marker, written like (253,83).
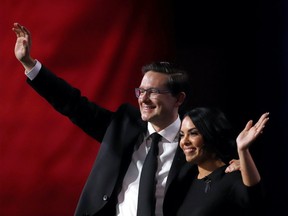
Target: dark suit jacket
(118,132)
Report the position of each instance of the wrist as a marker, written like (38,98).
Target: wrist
(29,63)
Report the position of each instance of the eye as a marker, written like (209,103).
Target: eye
(154,90)
(193,133)
(141,90)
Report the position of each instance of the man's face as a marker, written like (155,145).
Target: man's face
(161,109)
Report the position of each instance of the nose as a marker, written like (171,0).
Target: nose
(185,140)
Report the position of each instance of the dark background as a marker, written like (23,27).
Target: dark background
(237,54)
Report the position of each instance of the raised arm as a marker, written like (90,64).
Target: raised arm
(249,171)
(23,46)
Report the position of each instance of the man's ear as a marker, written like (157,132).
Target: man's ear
(181,98)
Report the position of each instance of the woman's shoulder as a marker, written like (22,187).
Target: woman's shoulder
(220,174)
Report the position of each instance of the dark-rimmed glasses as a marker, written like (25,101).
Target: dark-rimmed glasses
(151,92)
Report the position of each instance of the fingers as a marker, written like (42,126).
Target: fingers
(228,170)
(234,165)
(17,29)
(25,30)
(259,126)
(248,125)
(232,161)
(20,30)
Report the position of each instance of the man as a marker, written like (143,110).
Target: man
(112,186)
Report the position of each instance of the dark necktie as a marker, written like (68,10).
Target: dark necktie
(147,186)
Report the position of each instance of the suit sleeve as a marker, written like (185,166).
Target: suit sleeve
(68,101)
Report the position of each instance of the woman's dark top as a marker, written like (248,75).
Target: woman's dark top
(221,194)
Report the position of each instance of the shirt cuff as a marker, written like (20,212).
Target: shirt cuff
(34,71)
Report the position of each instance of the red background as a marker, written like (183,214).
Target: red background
(236,53)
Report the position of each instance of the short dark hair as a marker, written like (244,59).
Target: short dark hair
(178,78)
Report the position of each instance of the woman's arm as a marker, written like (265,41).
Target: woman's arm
(249,171)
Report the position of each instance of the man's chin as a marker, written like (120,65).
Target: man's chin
(146,117)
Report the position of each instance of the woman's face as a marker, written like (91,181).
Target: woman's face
(191,142)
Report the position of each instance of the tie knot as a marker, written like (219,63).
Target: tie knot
(155,137)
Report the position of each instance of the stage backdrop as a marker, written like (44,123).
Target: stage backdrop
(99,47)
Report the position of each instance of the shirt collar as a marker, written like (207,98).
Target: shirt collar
(170,133)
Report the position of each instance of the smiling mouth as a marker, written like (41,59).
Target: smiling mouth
(148,107)
(189,150)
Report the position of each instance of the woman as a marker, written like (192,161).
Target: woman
(207,141)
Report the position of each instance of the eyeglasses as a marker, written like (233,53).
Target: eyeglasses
(151,92)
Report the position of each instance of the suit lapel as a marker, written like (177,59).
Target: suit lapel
(178,162)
